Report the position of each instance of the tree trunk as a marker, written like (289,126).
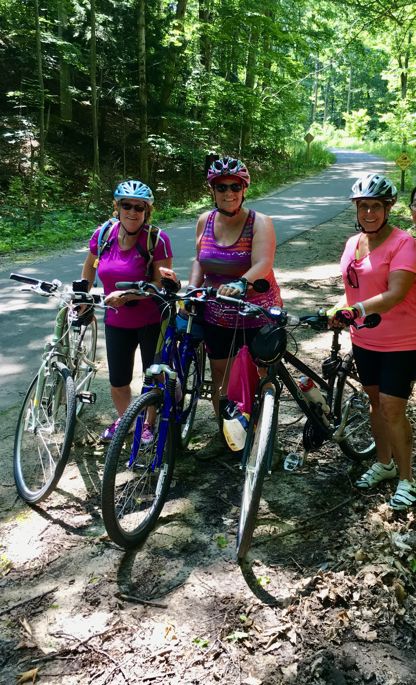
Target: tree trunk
(249,83)
(41,150)
(172,58)
(349,91)
(141,58)
(94,101)
(315,92)
(65,98)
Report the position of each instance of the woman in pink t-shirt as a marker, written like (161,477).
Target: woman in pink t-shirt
(124,257)
(378,268)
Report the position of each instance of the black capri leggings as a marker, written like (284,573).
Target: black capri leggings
(121,347)
(393,372)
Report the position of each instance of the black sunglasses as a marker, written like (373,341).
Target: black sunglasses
(129,205)
(223,187)
(352,276)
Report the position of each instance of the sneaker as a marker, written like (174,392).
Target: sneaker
(377,473)
(108,433)
(147,434)
(405,495)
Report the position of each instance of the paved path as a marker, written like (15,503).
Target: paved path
(26,320)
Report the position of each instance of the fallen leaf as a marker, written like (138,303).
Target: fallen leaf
(28,675)
(251,681)
(290,672)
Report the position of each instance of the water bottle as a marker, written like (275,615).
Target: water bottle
(313,395)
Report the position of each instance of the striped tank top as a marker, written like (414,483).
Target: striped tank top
(222,264)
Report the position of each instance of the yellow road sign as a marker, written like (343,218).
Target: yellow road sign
(403,161)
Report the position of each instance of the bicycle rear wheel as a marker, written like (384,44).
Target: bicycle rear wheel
(191,391)
(44,434)
(83,347)
(352,411)
(256,467)
(137,476)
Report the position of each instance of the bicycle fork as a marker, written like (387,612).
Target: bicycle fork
(153,381)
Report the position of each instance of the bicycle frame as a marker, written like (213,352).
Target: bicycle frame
(173,363)
(278,375)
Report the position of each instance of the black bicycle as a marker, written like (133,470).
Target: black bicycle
(343,415)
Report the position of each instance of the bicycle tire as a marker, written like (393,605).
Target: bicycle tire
(49,435)
(255,472)
(133,496)
(83,348)
(191,391)
(358,443)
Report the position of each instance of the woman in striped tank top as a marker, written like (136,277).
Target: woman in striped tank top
(233,246)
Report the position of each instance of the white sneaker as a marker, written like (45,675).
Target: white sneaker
(377,473)
(405,495)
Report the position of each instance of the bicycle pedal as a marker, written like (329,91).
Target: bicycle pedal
(87,397)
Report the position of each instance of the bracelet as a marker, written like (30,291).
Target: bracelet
(360,306)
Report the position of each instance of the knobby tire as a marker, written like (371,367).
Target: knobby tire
(191,391)
(358,443)
(43,443)
(133,496)
(255,472)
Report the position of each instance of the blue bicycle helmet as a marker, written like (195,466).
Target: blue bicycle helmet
(134,189)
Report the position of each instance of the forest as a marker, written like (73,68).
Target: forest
(98,90)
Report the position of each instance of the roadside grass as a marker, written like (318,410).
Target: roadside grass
(71,224)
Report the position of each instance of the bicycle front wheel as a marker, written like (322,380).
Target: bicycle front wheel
(256,467)
(191,391)
(44,434)
(83,348)
(137,474)
(352,413)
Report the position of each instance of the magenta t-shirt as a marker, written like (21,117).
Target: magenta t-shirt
(397,330)
(128,265)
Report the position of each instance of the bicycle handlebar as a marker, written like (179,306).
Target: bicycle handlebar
(50,288)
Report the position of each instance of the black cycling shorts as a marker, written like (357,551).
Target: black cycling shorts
(121,347)
(393,372)
(219,341)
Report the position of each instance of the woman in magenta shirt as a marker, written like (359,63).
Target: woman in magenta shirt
(378,268)
(133,323)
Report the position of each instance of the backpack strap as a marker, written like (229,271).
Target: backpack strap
(153,236)
(103,242)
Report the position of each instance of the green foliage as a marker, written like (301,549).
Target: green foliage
(356,123)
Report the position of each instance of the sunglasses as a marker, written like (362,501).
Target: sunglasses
(129,205)
(223,187)
(352,276)
(412,206)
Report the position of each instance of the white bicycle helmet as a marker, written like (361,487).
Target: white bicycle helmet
(134,189)
(374,186)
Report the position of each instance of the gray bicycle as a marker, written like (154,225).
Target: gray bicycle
(61,387)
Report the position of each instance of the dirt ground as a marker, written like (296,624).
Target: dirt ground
(326,596)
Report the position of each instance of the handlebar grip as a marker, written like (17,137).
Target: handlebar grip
(25,279)
(130,285)
(46,286)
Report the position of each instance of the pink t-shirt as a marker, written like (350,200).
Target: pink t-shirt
(397,330)
(128,265)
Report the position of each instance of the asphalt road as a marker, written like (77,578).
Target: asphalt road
(26,319)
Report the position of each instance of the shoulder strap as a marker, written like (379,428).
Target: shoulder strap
(103,235)
(153,236)
(103,242)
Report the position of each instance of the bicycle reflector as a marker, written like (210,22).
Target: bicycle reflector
(268,345)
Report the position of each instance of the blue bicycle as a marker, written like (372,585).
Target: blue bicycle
(137,473)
